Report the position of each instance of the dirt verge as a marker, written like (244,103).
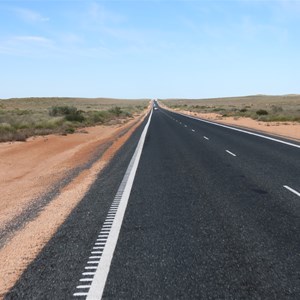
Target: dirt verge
(290,130)
(61,168)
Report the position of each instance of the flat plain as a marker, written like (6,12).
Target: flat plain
(277,115)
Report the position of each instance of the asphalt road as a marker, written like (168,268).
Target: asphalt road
(213,214)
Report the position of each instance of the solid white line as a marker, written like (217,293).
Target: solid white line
(93,262)
(90,268)
(96,252)
(242,130)
(292,190)
(230,153)
(206,138)
(94,257)
(98,284)
(82,286)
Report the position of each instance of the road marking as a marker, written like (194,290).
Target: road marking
(99,279)
(206,138)
(244,131)
(292,190)
(193,130)
(80,294)
(185,125)
(85,279)
(88,273)
(90,268)
(83,286)
(230,153)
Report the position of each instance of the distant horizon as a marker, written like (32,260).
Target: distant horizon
(149,98)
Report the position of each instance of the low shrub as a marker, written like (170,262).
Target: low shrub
(62,110)
(262,112)
(75,117)
(116,111)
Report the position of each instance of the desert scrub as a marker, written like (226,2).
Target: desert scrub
(262,112)
(70,113)
(18,125)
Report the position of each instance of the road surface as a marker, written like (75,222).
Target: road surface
(211,213)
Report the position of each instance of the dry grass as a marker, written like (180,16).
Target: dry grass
(260,107)
(22,118)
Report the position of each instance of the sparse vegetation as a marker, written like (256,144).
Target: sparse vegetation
(262,108)
(262,112)
(22,118)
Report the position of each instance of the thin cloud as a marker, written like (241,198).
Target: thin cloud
(30,15)
(97,13)
(32,38)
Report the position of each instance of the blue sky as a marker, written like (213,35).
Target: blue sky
(149,49)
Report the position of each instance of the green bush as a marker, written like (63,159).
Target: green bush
(62,111)
(96,117)
(262,112)
(75,117)
(116,111)
(69,130)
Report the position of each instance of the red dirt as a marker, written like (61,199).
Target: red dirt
(29,169)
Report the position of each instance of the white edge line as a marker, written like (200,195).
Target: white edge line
(98,284)
(230,153)
(292,190)
(241,130)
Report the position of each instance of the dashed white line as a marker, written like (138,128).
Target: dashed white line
(193,130)
(230,153)
(206,137)
(80,294)
(83,286)
(292,190)
(86,279)
(242,130)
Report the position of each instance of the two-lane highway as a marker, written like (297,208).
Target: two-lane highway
(213,213)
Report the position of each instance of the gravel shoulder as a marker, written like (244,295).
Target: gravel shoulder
(42,181)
